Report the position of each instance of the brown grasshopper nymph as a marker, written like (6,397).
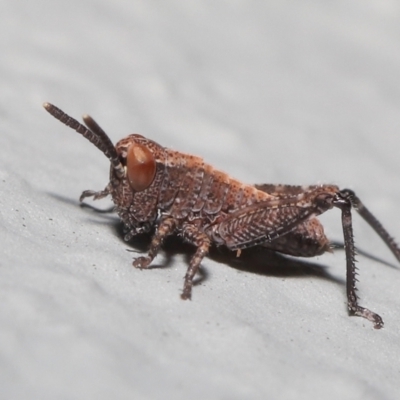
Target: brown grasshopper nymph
(171,192)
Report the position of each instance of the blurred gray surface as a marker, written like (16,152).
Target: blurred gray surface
(291,92)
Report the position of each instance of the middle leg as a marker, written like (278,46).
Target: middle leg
(193,235)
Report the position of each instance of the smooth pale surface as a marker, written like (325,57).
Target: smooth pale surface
(292,92)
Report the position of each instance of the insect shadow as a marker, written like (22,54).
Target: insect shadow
(256,260)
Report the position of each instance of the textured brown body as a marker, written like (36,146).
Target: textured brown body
(155,188)
(228,211)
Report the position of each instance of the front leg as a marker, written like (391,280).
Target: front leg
(96,195)
(164,229)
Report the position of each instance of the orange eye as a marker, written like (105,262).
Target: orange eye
(141,167)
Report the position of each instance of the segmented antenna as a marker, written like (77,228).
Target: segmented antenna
(94,134)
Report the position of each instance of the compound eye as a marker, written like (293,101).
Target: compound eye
(141,167)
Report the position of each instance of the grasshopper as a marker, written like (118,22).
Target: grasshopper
(156,188)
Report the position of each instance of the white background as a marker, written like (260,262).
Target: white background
(280,91)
